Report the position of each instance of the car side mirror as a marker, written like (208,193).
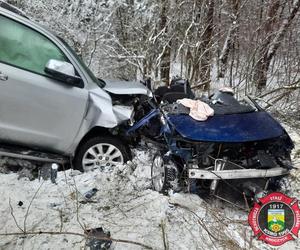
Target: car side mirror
(63,71)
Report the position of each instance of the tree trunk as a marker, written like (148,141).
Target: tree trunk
(272,43)
(229,43)
(206,42)
(262,65)
(166,56)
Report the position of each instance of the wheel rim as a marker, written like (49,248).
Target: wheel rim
(103,156)
(158,173)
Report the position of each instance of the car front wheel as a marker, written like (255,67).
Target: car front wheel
(164,175)
(102,153)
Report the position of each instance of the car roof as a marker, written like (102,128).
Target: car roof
(12,8)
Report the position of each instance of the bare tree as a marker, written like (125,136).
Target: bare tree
(229,43)
(206,43)
(274,34)
(166,54)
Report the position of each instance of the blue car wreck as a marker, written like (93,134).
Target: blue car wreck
(240,147)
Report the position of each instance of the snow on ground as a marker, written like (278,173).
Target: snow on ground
(127,207)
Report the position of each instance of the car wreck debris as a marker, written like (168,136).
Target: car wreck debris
(89,194)
(96,239)
(54,169)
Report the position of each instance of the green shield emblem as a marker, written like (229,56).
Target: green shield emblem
(276,220)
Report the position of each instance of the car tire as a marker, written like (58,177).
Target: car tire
(103,153)
(164,175)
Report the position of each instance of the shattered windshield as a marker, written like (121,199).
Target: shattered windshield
(99,82)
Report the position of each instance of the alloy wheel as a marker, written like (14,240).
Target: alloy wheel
(158,173)
(103,156)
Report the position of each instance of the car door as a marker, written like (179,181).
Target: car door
(35,109)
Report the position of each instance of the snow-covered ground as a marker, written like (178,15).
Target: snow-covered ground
(127,207)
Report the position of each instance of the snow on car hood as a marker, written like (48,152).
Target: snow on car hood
(126,88)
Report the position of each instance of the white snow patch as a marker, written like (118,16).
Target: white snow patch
(127,207)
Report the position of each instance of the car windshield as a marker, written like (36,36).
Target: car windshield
(99,82)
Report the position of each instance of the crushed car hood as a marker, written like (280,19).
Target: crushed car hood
(126,88)
(254,126)
(101,111)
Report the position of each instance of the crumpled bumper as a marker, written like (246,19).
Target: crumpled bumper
(236,173)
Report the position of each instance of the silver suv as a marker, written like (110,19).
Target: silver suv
(51,101)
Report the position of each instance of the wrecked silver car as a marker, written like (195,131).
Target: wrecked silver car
(50,101)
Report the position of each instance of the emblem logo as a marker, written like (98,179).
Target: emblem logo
(275,219)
